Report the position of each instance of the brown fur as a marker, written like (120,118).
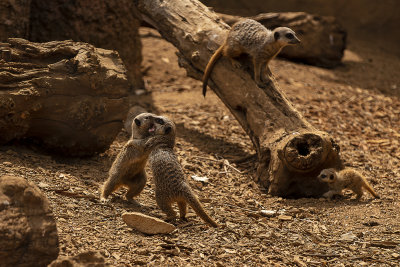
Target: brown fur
(170,183)
(251,37)
(128,168)
(345,179)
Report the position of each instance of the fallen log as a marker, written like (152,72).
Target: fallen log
(323,39)
(71,97)
(291,152)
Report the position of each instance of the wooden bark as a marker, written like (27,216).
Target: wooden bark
(323,39)
(71,97)
(291,152)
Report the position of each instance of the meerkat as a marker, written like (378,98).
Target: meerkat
(169,179)
(345,179)
(127,169)
(132,113)
(251,37)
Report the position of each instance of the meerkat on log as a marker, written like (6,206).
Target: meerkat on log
(345,179)
(251,37)
(169,179)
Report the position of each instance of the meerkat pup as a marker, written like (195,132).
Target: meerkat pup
(128,167)
(345,179)
(251,37)
(169,179)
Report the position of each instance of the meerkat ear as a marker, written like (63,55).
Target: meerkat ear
(168,130)
(137,122)
(276,36)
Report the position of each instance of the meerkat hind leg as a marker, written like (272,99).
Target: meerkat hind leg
(166,207)
(135,186)
(182,210)
(231,52)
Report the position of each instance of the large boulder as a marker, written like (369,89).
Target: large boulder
(71,97)
(84,259)
(28,233)
(107,24)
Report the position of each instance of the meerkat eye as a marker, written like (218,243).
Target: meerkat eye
(168,130)
(160,121)
(137,122)
(331,177)
(289,35)
(323,175)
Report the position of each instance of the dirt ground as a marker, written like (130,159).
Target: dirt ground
(355,103)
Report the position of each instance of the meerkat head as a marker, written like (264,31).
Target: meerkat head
(143,125)
(285,36)
(165,128)
(327,176)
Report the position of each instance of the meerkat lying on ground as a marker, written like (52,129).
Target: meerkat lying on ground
(345,179)
(128,168)
(169,179)
(251,37)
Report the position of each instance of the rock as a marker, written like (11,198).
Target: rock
(268,213)
(147,224)
(107,24)
(14,19)
(85,259)
(28,233)
(71,97)
(348,237)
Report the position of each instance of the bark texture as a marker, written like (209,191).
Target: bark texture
(107,24)
(28,233)
(323,39)
(69,96)
(291,152)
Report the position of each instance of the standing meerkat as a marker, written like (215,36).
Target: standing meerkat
(128,167)
(345,179)
(251,37)
(169,179)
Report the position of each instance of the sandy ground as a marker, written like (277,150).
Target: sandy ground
(355,103)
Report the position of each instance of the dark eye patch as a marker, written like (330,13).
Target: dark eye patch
(323,175)
(289,35)
(331,177)
(160,121)
(137,122)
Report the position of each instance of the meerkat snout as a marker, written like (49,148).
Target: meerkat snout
(168,129)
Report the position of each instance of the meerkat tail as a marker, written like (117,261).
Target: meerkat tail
(193,201)
(210,66)
(369,189)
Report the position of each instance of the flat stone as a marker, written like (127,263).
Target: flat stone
(147,224)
